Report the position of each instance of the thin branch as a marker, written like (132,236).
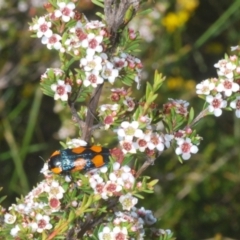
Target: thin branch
(87,130)
(147,163)
(92,220)
(75,116)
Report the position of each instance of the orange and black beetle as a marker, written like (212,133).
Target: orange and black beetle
(78,159)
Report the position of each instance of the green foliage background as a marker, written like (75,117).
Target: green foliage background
(198,199)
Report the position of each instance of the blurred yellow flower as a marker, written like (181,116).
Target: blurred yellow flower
(176,83)
(172,21)
(188,5)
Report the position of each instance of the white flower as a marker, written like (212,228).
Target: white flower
(142,143)
(93,79)
(65,11)
(72,43)
(225,68)
(236,105)
(227,86)
(205,87)
(54,190)
(128,146)
(109,72)
(129,130)
(116,166)
(234,48)
(93,44)
(221,64)
(9,218)
(156,141)
(43,28)
(42,223)
(120,233)
(76,142)
(61,90)
(14,231)
(111,188)
(185,148)
(128,201)
(216,104)
(45,171)
(53,41)
(90,63)
(106,234)
(119,63)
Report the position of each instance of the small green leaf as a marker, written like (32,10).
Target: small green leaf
(98,3)
(2,199)
(153,182)
(191,116)
(138,195)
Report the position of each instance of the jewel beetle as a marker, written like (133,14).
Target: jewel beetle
(78,159)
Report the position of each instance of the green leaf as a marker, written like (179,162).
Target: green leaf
(148,90)
(191,116)
(2,199)
(138,195)
(144,12)
(153,182)
(98,3)
(102,16)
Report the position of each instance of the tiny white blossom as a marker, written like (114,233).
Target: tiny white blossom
(52,42)
(43,28)
(156,141)
(234,48)
(106,234)
(65,11)
(128,201)
(55,190)
(14,231)
(185,148)
(128,146)
(205,87)
(142,143)
(93,44)
(42,223)
(93,79)
(9,218)
(120,233)
(227,70)
(109,72)
(61,90)
(76,142)
(221,64)
(45,171)
(228,86)
(129,130)
(90,63)
(216,103)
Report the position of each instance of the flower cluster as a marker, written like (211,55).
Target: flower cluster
(136,220)
(120,180)
(133,139)
(85,42)
(224,90)
(32,214)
